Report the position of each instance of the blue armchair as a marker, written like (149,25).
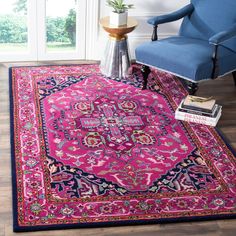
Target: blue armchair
(204,49)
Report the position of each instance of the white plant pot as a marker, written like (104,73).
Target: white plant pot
(118,19)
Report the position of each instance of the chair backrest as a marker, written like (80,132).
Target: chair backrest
(208,18)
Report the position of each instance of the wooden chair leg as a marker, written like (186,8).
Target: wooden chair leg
(192,87)
(145,72)
(234,76)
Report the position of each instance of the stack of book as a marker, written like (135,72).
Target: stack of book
(199,110)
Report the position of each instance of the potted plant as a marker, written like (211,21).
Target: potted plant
(119,14)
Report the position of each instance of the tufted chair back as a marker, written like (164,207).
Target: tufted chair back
(208,19)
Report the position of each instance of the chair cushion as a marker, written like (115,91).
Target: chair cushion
(187,57)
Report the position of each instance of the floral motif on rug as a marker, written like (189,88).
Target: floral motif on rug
(88,150)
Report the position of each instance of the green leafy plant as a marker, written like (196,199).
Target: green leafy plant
(119,6)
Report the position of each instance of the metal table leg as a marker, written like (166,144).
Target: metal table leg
(116,60)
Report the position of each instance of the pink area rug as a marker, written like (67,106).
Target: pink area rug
(90,151)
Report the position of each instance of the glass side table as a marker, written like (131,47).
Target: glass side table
(116,60)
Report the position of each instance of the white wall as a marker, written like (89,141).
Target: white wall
(144,9)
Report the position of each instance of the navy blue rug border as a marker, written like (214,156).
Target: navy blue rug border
(13,166)
(17,228)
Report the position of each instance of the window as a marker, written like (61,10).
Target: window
(42,30)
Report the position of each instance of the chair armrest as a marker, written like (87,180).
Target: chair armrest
(223,35)
(172,16)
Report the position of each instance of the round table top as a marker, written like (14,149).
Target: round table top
(118,30)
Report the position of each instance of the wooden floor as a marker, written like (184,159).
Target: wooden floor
(223,91)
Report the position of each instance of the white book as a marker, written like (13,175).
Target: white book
(212,121)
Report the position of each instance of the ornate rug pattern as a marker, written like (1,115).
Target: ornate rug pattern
(90,151)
